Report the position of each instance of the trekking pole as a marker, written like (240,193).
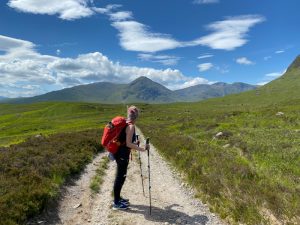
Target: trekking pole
(137,137)
(147,143)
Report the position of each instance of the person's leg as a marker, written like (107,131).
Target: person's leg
(122,165)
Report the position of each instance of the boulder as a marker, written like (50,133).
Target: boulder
(279,114)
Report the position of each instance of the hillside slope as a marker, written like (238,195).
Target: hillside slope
(284,88)
(240,154)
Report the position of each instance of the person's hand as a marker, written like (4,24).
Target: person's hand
(142,149)
(137,143)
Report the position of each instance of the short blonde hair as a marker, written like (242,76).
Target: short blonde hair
(132,113)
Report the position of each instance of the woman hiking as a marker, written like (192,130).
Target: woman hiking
(127,136)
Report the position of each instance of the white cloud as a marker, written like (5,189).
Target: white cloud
(271,76)
(135,36)
(266,58)
(8,45)
(166,60)
(191,82)
(97,67)
(223,69)
(27,72)
(205,1)
(205,56)
(244,61)
(227,35)
(58,51)
(120,16)
(108,9)
(205,66)
(279,51)
(66,9)
(275,74)
(263,83)
(230,33)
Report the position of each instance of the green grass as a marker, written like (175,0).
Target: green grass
(97,180)
(19,121)
(32,172)
(260,168)
(33,168)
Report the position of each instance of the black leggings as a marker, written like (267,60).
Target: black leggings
(122,159)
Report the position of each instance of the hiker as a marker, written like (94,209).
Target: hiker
(128,137)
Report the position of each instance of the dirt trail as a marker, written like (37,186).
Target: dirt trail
(76,200)
(172,202)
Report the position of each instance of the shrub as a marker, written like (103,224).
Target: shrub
(32,172)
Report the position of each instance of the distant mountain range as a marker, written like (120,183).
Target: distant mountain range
(145,90)
(140,90)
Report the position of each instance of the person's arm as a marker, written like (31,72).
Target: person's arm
(129,135)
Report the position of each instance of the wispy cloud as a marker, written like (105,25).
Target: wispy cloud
(135,36)
(266,58)
(166,60)
(244,61)
(279,51)
(202,2)
(262,83)
(223,68)
(205,56)
(22,66)
(108,9)
(66,9)
(192,82)
(226,34)
(205,66)
(120,16)
(271,76)
(275,74)
(230,33)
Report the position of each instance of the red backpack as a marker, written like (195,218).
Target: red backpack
(110,139)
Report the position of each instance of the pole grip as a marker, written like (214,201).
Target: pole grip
(137,138)
(147,143)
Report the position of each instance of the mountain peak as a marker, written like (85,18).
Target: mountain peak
(220,84)
(141,79)
(295,64)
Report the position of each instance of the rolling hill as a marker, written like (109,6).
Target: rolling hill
(140,90)
(282,89)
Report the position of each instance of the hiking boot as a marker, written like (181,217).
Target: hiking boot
(124,200)
(120,206)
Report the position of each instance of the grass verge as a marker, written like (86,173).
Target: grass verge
(97,180)
(251,169)
(32,172)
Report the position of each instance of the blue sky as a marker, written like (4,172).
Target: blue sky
(49,45)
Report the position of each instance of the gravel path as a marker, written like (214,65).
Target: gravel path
(172,202)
